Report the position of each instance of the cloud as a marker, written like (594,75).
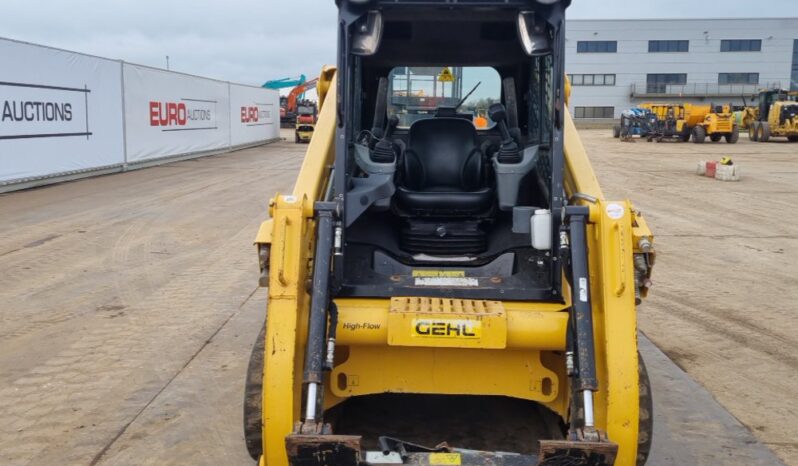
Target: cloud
(247,41)
(251,41)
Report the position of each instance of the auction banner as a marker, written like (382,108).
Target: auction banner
(169,114)
(60,112)
(254,113)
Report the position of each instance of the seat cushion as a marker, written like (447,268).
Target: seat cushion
(442,170)
(446,202)
(442,152)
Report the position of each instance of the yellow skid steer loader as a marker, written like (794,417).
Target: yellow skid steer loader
(440,292)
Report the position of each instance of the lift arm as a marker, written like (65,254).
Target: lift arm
(285,271)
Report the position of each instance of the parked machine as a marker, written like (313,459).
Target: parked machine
(442,294)
(716,122)
(305,121)
(290,103)
(777,116)
(746,117)
(277,84)
(303,133)
(283,83)
(307,112)
(680,122)
(635,122)
(670,122)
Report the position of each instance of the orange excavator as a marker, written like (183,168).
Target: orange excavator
(289,104)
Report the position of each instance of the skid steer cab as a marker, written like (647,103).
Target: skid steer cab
(447,284)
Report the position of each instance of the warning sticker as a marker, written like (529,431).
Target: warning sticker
(439,273)
(583,289)
(446,76)
(443,459)
(447,281)
(615,211)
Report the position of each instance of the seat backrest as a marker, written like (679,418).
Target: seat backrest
(442,153)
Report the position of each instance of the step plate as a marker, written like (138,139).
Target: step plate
(447,323)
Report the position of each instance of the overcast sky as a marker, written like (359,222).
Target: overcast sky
(251,41)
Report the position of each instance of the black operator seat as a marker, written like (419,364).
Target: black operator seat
(443,170)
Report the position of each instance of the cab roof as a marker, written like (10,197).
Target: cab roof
(454,3)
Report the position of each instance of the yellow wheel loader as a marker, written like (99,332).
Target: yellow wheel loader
(441,293)
(777,116)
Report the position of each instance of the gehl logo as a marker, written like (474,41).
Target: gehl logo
(445,328)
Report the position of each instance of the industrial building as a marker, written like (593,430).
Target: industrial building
(617,64)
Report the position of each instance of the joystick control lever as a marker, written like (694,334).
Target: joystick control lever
(509,151)
(384,152)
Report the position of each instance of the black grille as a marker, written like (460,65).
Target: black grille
(444,239)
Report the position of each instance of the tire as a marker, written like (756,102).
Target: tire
(764,132)
(253,402)
(716,137)
(753,132)
(296,138)
(616,131)
(699,135)
(685,136)
(792,138)
(734,136)
(624,132)
(645,429)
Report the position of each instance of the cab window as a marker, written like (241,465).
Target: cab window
(418,92)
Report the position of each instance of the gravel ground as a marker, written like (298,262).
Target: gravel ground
(726,283)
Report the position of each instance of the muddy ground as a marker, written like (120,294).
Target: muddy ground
(129,304)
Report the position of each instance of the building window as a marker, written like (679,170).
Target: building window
(594,112)
(738,78)
(656,46)
(658,83)
(597,46)
(592,79)
(794,84)
(741,45)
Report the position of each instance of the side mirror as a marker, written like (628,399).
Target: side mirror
(367,34)
(535,34)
